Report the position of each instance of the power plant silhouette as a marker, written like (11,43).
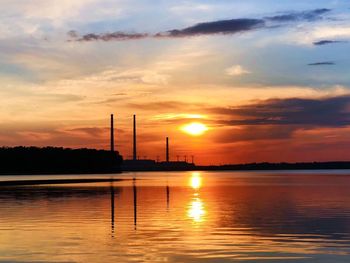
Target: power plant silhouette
(136,164)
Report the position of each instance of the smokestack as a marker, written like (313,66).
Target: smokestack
(167,150)
(134,139)
(112,133)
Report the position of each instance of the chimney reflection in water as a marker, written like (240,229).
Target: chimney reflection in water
(135,202)
(167,196)
(196,209)
(112,209)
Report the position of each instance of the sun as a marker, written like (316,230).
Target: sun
(194,128)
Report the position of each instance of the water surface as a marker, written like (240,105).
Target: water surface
(180,217)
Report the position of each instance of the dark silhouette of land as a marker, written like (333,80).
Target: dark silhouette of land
(152,165)
(57,160)
(279,166)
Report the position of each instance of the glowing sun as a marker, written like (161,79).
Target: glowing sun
(194,128)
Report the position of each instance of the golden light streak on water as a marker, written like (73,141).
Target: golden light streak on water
(196,210)
(196,180)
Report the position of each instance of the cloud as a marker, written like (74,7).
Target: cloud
(217,27)
(158,106)
(208,28)
(90,131)
(170,117)
(119,36)
(246,133)
(135,75)
(335,31)
(230,26)
(311,15)
(236,70)
(329,112)
(73,34)
(327,42)
(52,134)
(323,63)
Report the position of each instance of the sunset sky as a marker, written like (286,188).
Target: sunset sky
(267,80)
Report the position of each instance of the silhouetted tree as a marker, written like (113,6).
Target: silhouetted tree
(57,160)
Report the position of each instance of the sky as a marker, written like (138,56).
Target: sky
(268,79)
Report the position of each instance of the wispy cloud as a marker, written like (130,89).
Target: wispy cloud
(91,131)
(310,15)
(48,134)
(118,36)
(330,112)
(246,133)
(217,27)
(236,70)
(323,63)
(328,42)
(230,26)
(159,106)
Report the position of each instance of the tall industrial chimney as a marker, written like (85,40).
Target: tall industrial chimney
(167,150)
(134,140)
(112,133)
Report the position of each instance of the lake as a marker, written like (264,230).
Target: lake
(279,216)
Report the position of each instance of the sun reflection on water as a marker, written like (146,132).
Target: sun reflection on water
(196,180)
(196,209)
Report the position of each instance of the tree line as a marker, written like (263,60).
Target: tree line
(57,160)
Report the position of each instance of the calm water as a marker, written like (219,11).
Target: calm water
(180,217)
